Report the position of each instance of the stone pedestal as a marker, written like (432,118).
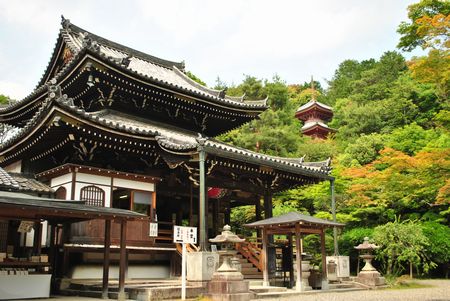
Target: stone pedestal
(228,284)
(305,275)
(201,265)
(370,278)
(369,275)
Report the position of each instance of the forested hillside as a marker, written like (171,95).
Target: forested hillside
(391,154)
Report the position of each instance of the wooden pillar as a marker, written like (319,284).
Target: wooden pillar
(298,261)
(191,206)
(106,252)
(291,268)
(258,214)
(123,259)
(153,207)
(52,248)
(264,258)
(216,217)
(37,238)
(203,206)
(268,213)
(227,218)
(333,211)
(324,260)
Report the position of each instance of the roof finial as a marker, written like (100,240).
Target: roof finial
(313,90)
(65,22)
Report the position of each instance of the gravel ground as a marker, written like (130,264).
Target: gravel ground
(440,291)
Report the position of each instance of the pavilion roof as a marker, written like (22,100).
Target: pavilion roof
(26,206)
(293,218)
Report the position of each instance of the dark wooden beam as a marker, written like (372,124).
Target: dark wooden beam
(298,262)
(123,259)
(106,259)
(324,259)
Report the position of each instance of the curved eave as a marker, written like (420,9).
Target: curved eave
(173,88)
(268,161)
(318,126)
(75,115)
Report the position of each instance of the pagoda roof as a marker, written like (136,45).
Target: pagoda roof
(313,103)
(141,65)
(312,124)
(169,138)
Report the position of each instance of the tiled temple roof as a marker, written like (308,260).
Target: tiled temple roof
(21,182)
(171,138)
(168,72)
(6,181)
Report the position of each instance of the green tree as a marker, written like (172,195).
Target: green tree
(439,243)
(4,100)
(412,33)
(402,243)
(195,78)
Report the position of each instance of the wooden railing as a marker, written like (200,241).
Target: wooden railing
(251,252)
(189,247)
(92,232)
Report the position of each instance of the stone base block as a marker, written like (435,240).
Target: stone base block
(228,287)
(201,265)
(230,297)
(371,278)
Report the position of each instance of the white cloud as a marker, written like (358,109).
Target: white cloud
(216,38)
(13,90)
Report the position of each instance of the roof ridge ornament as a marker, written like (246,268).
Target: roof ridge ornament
(65,22)
(89,43)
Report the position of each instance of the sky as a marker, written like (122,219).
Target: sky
(227,39)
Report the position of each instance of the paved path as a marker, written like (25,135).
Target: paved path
(440,291)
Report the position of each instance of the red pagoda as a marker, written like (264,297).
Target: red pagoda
(314,114)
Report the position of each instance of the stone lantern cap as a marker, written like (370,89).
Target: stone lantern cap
(227,236)
(366,245)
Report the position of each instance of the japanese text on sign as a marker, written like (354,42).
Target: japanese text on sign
(184,234)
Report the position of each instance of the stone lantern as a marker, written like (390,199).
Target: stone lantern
(227,282)
(368,275)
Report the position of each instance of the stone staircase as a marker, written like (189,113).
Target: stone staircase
(248,269)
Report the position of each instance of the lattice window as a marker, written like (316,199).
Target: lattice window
(61,193)
(93,196)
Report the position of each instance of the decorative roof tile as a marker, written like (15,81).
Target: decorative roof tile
(6,181)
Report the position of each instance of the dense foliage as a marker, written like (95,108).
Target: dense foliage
(391,154)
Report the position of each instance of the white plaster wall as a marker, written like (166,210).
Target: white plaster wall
(99,180)
(14,167)
(68,187)
(61,180)
(106,189)
(123,183)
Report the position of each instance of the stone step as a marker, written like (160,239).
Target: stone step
(267,289)
(247,264)
(251,270)
(91,294)
(169,293)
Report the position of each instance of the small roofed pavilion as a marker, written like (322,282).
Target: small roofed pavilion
(293,223)
(23,207)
